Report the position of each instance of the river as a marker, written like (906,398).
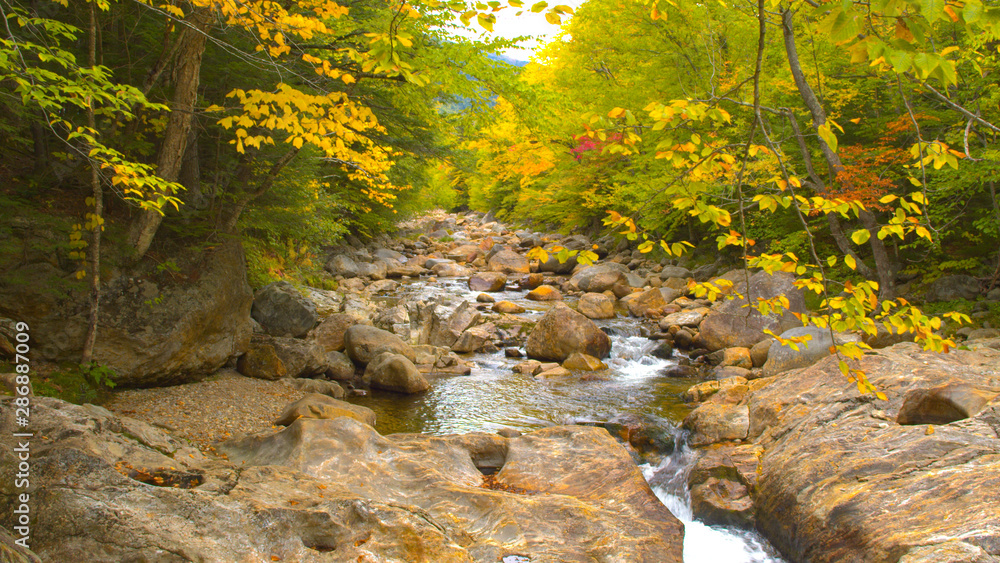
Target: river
(495,397)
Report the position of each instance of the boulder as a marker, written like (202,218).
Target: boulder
(679,371)
(339,366)
(394,372)
(382,286)
(394,319)
(554,266)
(342,265)
(111,488)
(508,262)
(600,277)
(301,358)
(327,302)
(653,299)
(488,281)
(729,323)
(320,406)
(473,340)
(840,478)
(717,422)
(544,293)
(950,288)
(364,342)
(704,390)
(531,281)
(688,318)
(377,270)
(262,362)
(596,306)
(783,357)
(674,272)
(736,357)
(329,334)
(720,484)
(320,386)
(561,332)
(507,307)
(445,331)
(583,362)
(759,352)
(553,372)
(450,270)
(156,327)
(388,254)
(983,333)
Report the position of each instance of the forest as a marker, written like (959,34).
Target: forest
(252,195)
(851,141)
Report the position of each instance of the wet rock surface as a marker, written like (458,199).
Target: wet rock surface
(334,490)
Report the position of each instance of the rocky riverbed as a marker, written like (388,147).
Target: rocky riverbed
(448,329)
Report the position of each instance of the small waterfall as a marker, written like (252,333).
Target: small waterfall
(702,543)
(495,397)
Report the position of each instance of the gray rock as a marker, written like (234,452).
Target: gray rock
(301,358)
(330,333)
(450,270)
(151,333)
(473,340)
(488,281)
(731,324)
(394,372)
(342,265)
(364,342)
(444,331)
(508,262)
(283,311)
(563,331)
(600,277)
(711,423)
(781,358)
(340,367)
(674,272)
(596,306)
(320,386)
(261,361)
(950,288)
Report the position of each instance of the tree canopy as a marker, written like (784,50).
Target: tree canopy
(850,143)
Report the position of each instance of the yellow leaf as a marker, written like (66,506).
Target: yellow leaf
(851,262)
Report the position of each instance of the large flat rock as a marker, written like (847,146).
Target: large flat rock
(110,488)
(842,481)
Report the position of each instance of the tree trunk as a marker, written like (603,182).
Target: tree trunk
(883,265)
(229,224)
(187,71)
(94,252)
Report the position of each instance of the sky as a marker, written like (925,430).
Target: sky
(508,25)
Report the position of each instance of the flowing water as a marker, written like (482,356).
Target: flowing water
(494,397)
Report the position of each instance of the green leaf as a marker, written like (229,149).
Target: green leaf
(860,236)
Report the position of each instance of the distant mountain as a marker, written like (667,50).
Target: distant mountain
(509,60)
